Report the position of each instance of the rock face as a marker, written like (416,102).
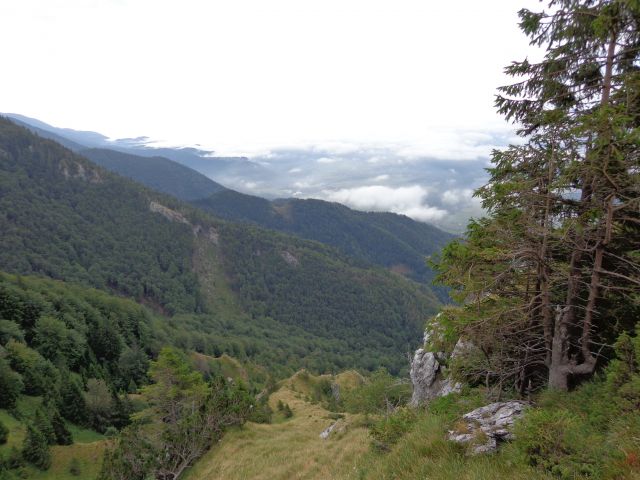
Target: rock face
(485,427)
(429,377)
(335,426)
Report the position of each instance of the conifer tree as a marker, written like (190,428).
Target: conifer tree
(557,255)
(35,449)
(4,433)
(43,424)
(62,434)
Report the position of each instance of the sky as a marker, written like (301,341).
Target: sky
(390,87)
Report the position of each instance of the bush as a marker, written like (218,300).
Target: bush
(380,392)
(387,431)
(35,449)
(74,467)
(4,433)
(261,411)
(10,386)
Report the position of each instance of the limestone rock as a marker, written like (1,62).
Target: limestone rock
(485,427)
(335,426)
(429,378)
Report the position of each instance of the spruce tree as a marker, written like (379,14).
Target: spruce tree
(72,404)
(62,434)
(4,433)
(543,275)
(42,423)
(35,449)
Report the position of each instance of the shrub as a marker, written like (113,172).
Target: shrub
(35,449)
(74,467)
(390,429)
(4,433)
(10,385)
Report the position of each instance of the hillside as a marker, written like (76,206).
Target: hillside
(65,218)
(202,161)
(393,241)
(158,173)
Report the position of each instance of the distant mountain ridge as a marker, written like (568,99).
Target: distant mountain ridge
(203,161)
(254,293)
(393,241)
(158,173)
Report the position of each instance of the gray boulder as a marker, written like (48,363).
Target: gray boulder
(429,376)
(485,427)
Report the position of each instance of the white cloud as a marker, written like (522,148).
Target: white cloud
(326,160)
(381,178)
(457,196)
(295,170)
(404,200)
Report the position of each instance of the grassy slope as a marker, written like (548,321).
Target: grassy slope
(424,453)
(286,449)
(87,449)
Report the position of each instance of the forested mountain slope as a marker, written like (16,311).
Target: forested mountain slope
(158,173)
(66,218)
(387,239)
(393,241)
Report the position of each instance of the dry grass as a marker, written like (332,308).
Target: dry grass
(292,449)
(88,455)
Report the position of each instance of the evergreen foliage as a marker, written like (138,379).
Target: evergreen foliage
(158,173)
(188,413)
(35,449)
(385,239)
(66,218)
(4,433)
(550,277)
(10,385)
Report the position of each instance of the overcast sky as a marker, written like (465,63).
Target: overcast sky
(415,78)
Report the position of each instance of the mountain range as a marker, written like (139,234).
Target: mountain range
(276,299)
(393,241)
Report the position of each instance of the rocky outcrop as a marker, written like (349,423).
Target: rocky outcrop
(290,259)
(429,376)
(334,427)
(485,427)
(169,214)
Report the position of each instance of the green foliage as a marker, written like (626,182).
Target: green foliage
(188,415)
(4,433)
(62,434)
(384,239)
(368,316)
(261,411)
(381,393)
(66,218)
(98,400)
(42,423)
(10,330)
(275,296)
(158,173)
(35,449)
(72,403)
(74,467)
(38,374)
(593,431)
(10,385)
(390,428)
